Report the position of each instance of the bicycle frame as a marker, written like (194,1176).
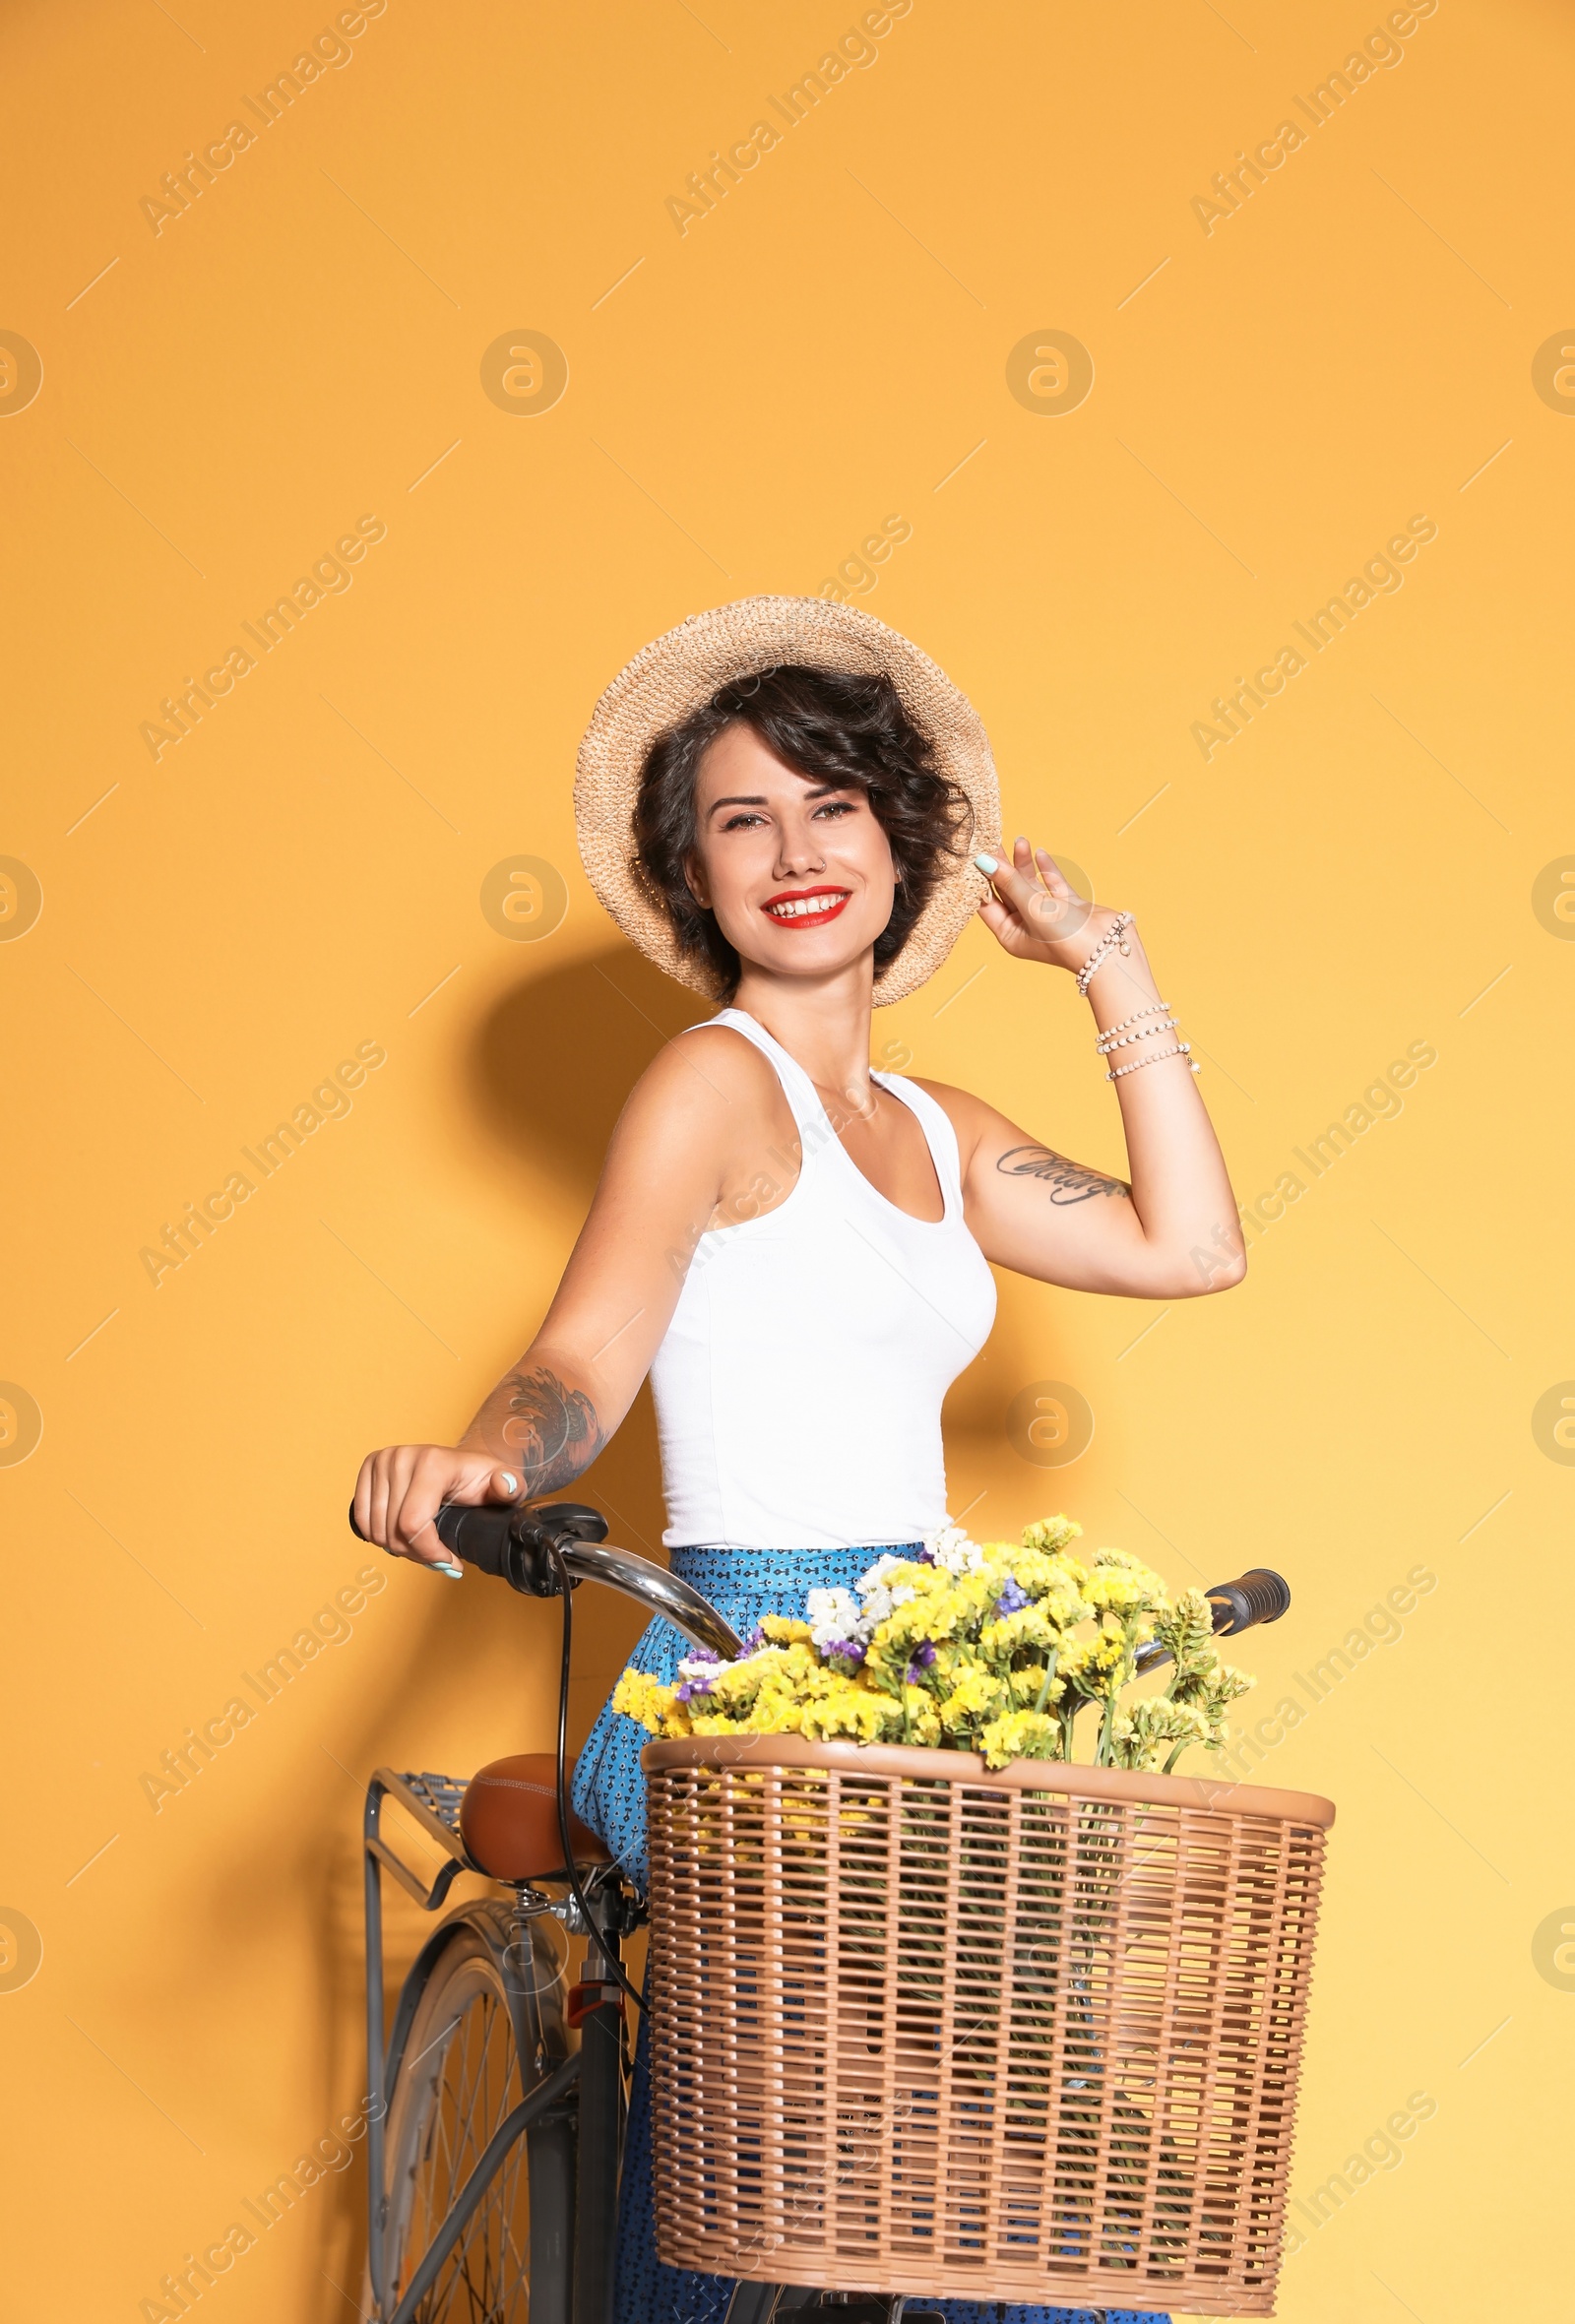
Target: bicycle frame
(541,1552)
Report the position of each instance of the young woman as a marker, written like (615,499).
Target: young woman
(785,803)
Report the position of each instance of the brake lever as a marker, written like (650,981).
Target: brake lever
(522,1546)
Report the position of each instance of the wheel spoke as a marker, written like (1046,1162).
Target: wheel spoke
(465,2084)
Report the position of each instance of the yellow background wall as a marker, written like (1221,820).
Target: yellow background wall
(1278,390)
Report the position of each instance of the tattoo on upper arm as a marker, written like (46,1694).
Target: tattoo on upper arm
(1068,1181)
(553,1430)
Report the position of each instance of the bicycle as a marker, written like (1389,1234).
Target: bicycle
(480,2065)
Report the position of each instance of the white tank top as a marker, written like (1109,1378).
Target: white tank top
(799,1388)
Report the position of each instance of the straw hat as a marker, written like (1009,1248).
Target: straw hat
(677,674)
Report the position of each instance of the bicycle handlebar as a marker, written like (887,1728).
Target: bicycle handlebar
(535,1551)
(1257,1595)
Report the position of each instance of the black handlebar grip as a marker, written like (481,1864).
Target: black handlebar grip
(513,1544)
(485,1545)
(516,1545)
(481,1537)
(1257,1595)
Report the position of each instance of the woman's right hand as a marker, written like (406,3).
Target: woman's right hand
(400,1490)
(1033,912)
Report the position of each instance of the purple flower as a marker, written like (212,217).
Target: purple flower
(756,1640)
(923,1657)
(702,1654)
(694,1686)
(847,1650)
(923,1557)
(1013,1597)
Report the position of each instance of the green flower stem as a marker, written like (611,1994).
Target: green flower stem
(1050,1677)
(1118,1680)
(1071,1723)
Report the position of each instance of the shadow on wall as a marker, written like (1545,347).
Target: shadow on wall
(551,1067)
(548,1071)
(547,1075)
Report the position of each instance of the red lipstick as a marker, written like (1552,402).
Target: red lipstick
(814,908)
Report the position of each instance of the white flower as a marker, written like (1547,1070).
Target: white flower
(880,1604)
(884,1564)
(833,1615)
(879,1600)
(954,1552)
(702,1665)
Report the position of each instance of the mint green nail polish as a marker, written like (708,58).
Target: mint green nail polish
(988,865)
(511,1484)
(456,1573)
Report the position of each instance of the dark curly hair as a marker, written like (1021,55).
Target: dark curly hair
(832,726)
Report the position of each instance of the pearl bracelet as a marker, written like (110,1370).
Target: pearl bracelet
(1181,1049)
(1114,935)
(1158,1010)
(1120,1041)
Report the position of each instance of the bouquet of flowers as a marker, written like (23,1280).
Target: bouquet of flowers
(995,1649)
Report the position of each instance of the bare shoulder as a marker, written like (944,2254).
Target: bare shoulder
(715,1064)
(708,1091)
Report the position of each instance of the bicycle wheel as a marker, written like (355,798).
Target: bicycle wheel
(484,2031)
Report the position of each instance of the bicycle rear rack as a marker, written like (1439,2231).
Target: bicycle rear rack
(431,1802)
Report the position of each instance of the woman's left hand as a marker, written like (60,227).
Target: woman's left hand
(1035,915)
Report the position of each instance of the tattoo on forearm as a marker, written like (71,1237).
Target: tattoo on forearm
(1068,1181)
(553,1430)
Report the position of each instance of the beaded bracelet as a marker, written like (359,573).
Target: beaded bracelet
(1136,1018)
(1123,1040)
(1181,1049)
(1114,935)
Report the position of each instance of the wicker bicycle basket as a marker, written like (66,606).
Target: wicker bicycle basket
(1031,2035)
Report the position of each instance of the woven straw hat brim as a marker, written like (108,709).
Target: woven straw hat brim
(678,673)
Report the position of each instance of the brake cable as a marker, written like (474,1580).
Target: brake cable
(609,1960)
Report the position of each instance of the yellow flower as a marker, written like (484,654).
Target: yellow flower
(973,1595)
(1050,1533)
(1058,1579)
(1187,1629)
(1223,1685)
(704,1723)
(645,1699)
(923,1720)
(1029,1626)
(977,1695)
(1088,1666)
(1020,1735)
(1120,1585)
(1155,1732)
(1026,1681)
(857,1712)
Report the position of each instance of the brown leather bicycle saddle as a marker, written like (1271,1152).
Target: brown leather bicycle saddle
(509,1819)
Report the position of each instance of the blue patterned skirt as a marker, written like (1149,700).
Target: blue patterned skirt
(609,1795)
